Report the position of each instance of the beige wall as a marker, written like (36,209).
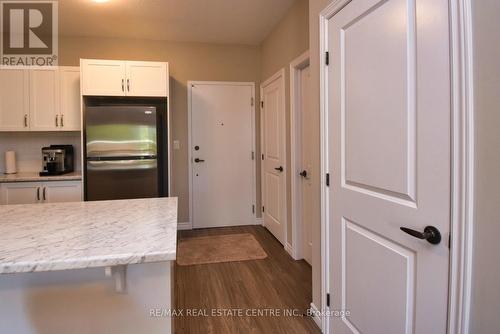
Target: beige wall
(486,264)
(288,40)
(188,61)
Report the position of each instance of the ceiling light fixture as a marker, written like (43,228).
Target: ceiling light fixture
(100,1)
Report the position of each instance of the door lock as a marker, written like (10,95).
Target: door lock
(303,173)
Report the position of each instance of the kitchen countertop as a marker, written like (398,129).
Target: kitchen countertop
(35,177)
(78,235)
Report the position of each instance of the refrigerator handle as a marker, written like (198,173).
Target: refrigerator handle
(123,85)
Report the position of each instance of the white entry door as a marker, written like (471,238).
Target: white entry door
(309,197)
(388,138)
(222,141)
(273,155)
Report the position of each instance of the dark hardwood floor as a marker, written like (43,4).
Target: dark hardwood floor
(275,283)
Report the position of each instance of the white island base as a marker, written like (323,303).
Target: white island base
(85,301)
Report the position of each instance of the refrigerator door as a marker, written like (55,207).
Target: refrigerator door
(121,153)
(120,131)
(121,179)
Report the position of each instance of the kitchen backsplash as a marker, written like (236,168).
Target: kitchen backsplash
(28,147)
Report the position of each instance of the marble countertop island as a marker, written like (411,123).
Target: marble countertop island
(61,236)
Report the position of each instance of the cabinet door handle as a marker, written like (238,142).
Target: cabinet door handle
(38,193)
(123,85)
(128,85)
(44,191)
(62,121)
(57,121)
(25,120)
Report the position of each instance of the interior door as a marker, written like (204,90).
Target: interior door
(388,145)
(44,99)
(146,78)
(308,194)
(221,149)
(274,155)
(14,100)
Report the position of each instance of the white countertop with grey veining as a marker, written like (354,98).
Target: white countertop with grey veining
(59,236)
(35,177)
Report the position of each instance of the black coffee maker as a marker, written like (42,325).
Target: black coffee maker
(57,160)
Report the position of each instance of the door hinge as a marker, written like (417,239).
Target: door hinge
(327,58)
(252,101)
(253,208)
(327,179)
(262,156)
(263,209)
(328,300)
(262,104)
(253,155)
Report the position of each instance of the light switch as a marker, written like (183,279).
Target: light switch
(177,145)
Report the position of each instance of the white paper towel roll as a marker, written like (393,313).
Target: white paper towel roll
(10,162)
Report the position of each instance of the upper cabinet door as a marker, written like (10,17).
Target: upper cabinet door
(14,100)
(147,78)
(70,109)
(44,99)
(103,77)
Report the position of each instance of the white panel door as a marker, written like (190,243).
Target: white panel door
(103,77)
(62,191)
(146,78)
(70,109)
(44,99)
(21,192)
(221,149)
(274,163)
(388,144)
(309,197)
(14,100)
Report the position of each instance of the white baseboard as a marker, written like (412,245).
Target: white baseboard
(184,226)
(289,249)
(315,315)
(259,221)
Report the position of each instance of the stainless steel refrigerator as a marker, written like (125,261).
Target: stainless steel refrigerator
(122,152)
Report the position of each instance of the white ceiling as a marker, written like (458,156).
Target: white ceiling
(209,21)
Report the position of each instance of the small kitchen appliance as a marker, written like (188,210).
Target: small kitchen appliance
(57,160)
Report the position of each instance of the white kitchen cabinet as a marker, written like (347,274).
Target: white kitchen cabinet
(20,192)
(44,99)
(40,99)
(102,77)
(62,191)
(146,78)
(124,78)
(70,105)
(14,99)
(40,192)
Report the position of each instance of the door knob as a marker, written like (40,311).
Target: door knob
(431,234)
(279,169)
(198,160)
(303,173)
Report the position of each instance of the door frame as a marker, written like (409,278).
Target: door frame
(462,162)
(189,225)
(279,75)
(296,111)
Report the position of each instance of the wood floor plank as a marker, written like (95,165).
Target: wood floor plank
(277,282)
